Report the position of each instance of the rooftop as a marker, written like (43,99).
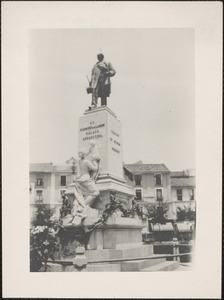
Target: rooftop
(178,174)
(183,182)
(48,167)
(184,173)
(147,168)
(41,167)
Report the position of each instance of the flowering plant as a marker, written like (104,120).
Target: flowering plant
(43,239)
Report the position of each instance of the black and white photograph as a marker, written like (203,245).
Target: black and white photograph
(111,148)
(123,125)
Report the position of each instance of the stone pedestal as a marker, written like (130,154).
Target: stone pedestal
(102,126)
(120,235)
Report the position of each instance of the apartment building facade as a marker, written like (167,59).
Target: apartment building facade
(48,182)
(155,183)
(152,184)
(183,189)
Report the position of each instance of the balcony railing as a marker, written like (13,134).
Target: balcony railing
(39,200)
(159,199)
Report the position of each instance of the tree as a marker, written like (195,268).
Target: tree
(186,213)
(156,213)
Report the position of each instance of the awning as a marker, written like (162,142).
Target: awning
(162,227)
(185,226)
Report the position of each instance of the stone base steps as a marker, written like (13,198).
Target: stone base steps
(149,265)
(105,254)
(110,260)
(104,267)
(138,265)
(163,266)
(153,265)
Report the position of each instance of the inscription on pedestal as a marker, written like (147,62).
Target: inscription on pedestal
(92,132)
(104,129)
(115,142)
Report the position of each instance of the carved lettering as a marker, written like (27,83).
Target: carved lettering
(115,133)
(92,132)
(92,127)
(92,137)
(115,150)
(117,143)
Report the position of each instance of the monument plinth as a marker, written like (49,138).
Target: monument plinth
(102,126)
(113,196)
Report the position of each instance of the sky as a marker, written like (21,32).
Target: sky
(153,92)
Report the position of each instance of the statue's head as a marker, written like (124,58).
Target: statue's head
(100,56)
(82,152)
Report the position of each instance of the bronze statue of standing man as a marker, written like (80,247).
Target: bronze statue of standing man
(100,80)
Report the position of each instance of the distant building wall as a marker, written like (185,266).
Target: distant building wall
(48,181)
(149,186)
(177,187)
(47,186)
(188,193)
(50,184)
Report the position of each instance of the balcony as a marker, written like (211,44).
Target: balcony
(39,200)
(159,199)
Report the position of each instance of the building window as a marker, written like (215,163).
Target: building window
(138,194)
(159,194)
(39,196)
(40,182)
(138,179)
(179,194)
(63,180)
(158,178)
(192,195)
